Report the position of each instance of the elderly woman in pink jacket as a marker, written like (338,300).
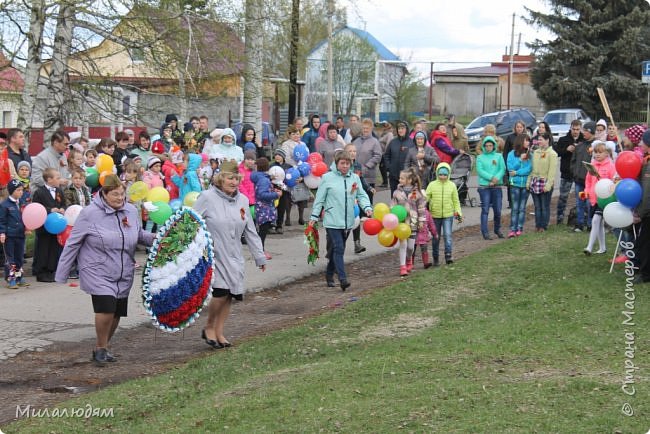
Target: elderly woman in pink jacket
(103,242)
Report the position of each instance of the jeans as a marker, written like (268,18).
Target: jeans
(491,197)
(582,207)
(565,189)
(336,249)
(444,225)
(14,253)
(518,198)
(542,203)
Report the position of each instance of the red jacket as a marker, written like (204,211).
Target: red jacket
(445,150)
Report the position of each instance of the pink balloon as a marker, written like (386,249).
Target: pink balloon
(390,221)
(34,216)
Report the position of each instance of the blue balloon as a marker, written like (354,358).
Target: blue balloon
(628,192)
(357,211)
(301,152)
(291,177)
(176,204)
(304,169)
(55,223)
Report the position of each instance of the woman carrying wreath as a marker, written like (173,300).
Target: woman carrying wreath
(103,242)
(227,216)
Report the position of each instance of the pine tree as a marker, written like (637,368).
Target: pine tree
(599,43)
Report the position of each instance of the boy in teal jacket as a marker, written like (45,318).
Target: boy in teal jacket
(444,205)
(490,169)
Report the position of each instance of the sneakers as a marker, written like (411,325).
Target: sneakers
(578,228)
(487,237)
(101,356)
(448,260)
(587,251)
(403,271)
(22,282)
(358,248)
(518,233)
(601,251)
(12,284)
(75,274)
(512,234)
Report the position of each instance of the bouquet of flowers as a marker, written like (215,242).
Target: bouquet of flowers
(177,276)
(311,239)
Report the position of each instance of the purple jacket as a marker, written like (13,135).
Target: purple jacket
(103,242)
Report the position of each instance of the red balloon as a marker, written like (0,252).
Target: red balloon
(314,158)
(319,169)
(62,237)
(372,226)
(628,165)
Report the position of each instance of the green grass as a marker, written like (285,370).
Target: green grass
(526,336)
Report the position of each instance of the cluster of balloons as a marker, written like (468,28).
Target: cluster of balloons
(159,196)
(388,223)
(310,168)
(35,215)
(103,166)
(618,200)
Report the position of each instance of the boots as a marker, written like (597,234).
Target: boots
(436,261)
(448,260)
(409,264)
(358,248)
(425,260)
(402,271)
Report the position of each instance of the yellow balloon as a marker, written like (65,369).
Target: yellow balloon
(402,231)
(380,210)
(190,198)
(276,202)
(158,194)
(104,163)
(386,237)
(138,191)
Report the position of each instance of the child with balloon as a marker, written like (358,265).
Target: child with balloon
(408,195)
(605,169)
(12,235)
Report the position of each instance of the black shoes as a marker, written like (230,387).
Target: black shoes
(448,260)
(345,285)
(499,235)
(74,275)
(214,344)
(487,237)
(330,282)
(46,277)
(102,356)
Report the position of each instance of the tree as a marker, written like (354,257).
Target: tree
(598,43)
(404,88)
(253,74)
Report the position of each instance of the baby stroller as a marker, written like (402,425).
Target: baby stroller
(461,169)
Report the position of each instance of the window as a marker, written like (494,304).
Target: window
(137,54)
(7,119)
(126,106)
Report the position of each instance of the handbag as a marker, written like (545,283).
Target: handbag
(300,192)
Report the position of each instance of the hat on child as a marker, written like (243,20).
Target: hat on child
(158,147)
(602,122)
(153,160)
(249,146)
(24,163)
(443,171)
(281,153)
(13,185)
(250,155)
(635,133)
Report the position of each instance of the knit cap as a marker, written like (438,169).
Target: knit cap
(153,160)
(13,185)
(249,146)
(281,153)
(23,164)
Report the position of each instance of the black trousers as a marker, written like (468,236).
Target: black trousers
(642,249)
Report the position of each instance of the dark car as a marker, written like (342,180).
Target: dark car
(504,121)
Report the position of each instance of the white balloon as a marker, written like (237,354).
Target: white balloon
(618,215)
(604,188)
(276,173)
(72,213)
(312,181)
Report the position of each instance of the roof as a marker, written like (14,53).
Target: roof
(492,70)
(381,50)
(10,78)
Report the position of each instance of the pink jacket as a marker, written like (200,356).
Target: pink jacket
(153,179)
(427,232)
(606,170)
(246,187)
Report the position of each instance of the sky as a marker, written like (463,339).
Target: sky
(449,31)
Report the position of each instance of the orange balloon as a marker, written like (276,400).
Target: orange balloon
(102,176)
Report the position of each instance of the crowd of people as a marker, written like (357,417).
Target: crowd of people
(241,197)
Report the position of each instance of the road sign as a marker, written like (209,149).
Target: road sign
(645,72)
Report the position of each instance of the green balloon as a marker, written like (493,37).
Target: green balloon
(163,212)
(252,209)
(602,203)
(92,177)
(400,212)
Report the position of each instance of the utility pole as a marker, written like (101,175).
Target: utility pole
(431,92)
(293,58)
(330,59)
(511,61)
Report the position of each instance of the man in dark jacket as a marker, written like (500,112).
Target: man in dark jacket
(396,152)
(312,134)
(565,147)
(582,153)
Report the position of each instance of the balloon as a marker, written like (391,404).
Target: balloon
(357,222)
(63,236)
(604,188)
(55,223)
(602,203)
(103,175)
(176,204)
(402,231)
(629,192)
(163,212)
(357,210)
(380,210)
(617,215)
(252,210)
(92,177)
(138,191)
(190,198)
(395,240)
(104,163)
(390,221)
(386,237)
(304,169)
(291,177)
(314,158)
(628,165)
(300,152)
(34,216)
(312,181)
(276,173)
(372,226)
(400,212)
(158,194)
(319,169)
(72,213)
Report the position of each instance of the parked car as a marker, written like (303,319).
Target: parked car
(268,136)
(504,121)
(560,120)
